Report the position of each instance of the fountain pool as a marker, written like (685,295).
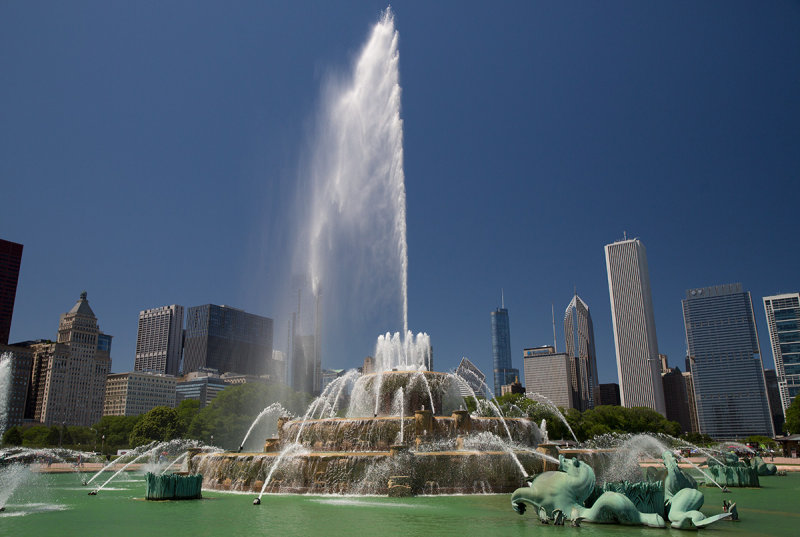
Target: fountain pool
(52,504)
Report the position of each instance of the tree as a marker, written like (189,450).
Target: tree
(117,430)
(187,410)
(699,439)
(792,423)
(230,414)
(761,441)
(13,437)
(160,424)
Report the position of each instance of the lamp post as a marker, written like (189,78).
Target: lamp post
(95,438)
(102,443)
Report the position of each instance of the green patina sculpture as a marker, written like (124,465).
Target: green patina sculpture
(733,472)
(564,494)
(682,500)
(764,468)
(567,489)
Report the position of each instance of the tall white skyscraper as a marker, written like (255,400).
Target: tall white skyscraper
(159,343)
(783,320)
(634,325)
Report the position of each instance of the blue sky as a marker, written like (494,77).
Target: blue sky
(148,151)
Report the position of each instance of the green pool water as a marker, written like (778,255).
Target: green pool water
(58,505)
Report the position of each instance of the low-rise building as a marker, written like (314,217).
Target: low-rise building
(137,392)
(202,385)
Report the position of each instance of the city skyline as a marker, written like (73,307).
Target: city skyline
(669,127)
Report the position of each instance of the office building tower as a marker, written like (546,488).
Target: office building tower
(549,374)
(18,361)
(727,372)
(10,260)
(473,379)
(690,399)
(228,340)
(783,320)
(137,392)
(159,340)
(774,396)
(609,394)
(202,385)
(675,396)
(504,372)
(68,377)
(634,325)
(579,336)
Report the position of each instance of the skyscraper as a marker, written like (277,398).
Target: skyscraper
(579,335)
(634,325)
(504,373)
(228,340)
(159,341)
(728,376)
(783,320)
(473,377)
(10,260)
(68,379)
(549,373)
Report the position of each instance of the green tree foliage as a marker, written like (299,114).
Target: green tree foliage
(761,440)
(187,410)
(13,436)
(230,414)
(590,423)
(618,419)
(699,439)
(40,436)
(160,424)
(117,431)
(792,423)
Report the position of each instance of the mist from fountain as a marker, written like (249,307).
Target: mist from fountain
(351,197)
(130,455)
(398,409)
(5,389)
(168,448)
(273,412)
(292,450)
(11,477)
(554,410)
(629,448)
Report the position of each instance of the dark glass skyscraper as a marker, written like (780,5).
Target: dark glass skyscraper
(228,340)
(728,376)
(10,259)
(501,350)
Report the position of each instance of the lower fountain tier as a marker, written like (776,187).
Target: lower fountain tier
(450,472)
(377,434)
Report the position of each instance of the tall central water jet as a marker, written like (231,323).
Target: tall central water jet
(355,250)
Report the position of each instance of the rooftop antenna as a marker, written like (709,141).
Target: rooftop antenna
(624,235)
(553,311)
(502,299)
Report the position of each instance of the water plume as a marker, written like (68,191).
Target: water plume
(352,198)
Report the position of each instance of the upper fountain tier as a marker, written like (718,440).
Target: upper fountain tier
(395,352)
(401,393)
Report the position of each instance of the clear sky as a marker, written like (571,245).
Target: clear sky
(148,151)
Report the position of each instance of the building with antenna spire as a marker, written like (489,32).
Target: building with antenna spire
(504,372)
(634,325)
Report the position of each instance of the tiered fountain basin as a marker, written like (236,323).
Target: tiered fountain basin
(414,439)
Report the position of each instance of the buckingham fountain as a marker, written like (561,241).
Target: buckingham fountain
(400,431)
